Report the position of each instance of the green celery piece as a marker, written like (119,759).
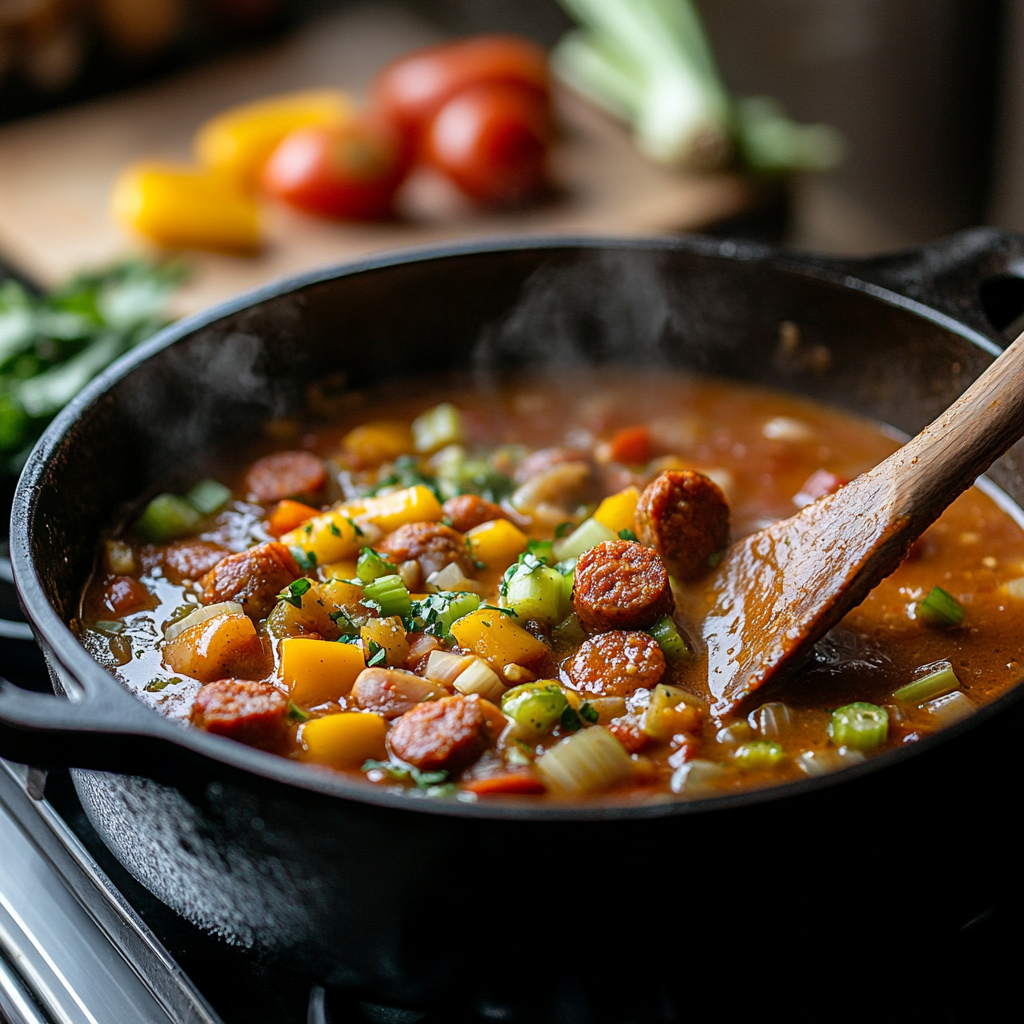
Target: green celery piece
(390,593)
(934,684)
(536,708)
(167,516)
(859,725)
(437,427)
(940,609)
(758,754)
(587,535)
(207,496)
(372,566)
(673,646)
(535,593)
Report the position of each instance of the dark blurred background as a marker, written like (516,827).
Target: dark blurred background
(929,94)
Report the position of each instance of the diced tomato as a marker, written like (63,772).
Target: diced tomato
(817,485)
(628,732)
(632,445)
(288,515)
(125,594)
(512,783)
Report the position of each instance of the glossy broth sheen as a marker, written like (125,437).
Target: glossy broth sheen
(760,447)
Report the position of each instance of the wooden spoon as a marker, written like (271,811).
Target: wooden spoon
(780,590)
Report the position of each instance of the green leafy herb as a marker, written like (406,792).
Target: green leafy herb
(293,593)
(333,527)
(627,535)
(570,720)
(588,712)
(355,526)
(564,529)
(295,713)
(305,560)
(401,773)
(377,654)
(405,473)
(436,614)
(542,550)
(155,685)
(341,620)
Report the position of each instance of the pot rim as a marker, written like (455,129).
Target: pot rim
(224,753)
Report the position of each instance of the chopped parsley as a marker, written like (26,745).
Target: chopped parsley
(405,473)
(305,560)
(588,712)
(564,529)
(404,773)
(295,713)
(333,527)
(628,535)
(570,720)
(377,654)
(294,592)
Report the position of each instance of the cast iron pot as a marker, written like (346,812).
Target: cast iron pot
(411,900)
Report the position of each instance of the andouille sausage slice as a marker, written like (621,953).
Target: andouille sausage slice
(123,595)
(253,578)
(685,516)
(620,584)
(615,664)
(285,475)
(192,558)
(448,734)
(433,545)
(469,510)
(240,709)
(391,692)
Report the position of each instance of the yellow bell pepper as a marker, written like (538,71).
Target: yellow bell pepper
(411,505)
(237,142)
(316,671)
(495,637)
(175,205)
(618,511)
(373,443)
(344,740)
(497,543)
(331,536)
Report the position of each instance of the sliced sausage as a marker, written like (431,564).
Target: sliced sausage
(433,545)
(390,692)
(191,559)
(469,510)
(685,516)
(285,475)
(240,709)
(615,664)
(124,594)
(253,578)
(447,734)
(620,584)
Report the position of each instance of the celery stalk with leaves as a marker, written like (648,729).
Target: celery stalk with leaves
(51,346)
(649,62)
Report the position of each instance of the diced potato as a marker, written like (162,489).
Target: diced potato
(411,505)
(226,645)
(201,614)
(618,511)
(497,543)
(374,443)
(388,633)
(330,536)
(344,740)
(316,671)
(497,638)
(480,678)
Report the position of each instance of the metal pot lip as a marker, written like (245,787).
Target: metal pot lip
(56,635)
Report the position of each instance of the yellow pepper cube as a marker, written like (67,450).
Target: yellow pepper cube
(345,740)
(316,671)
(494,636)
(175,205)
(237,142)
(618,511)
(343,570)
(497,543)
(411,505)
(373,443)
(330,536)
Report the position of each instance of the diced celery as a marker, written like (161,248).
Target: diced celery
(167,516)
(820,762)
(371,566)
(859,725)
(735,734)
(437,427)
(390,594)
(699,777)
(534,592)
(758,754)
(586,762)
(436,613)
(940,609)
(951,708)
(536,708)
(771,720)
(587,535)
(937,683)
(207,496)
(448,465)
(672,645)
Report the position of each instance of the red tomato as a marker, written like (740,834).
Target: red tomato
(413,88)
(492,141)
(349,171)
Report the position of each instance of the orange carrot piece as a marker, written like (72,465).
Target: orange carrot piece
(511,783)
(288,515)
(632,445)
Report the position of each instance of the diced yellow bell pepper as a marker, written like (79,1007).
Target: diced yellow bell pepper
(176,205)
(497,543)
(316,671)
(497,638)
(330,536)
(411,505)
(618,511)
(237,142)
(345,740)
(343,570)
(373,443)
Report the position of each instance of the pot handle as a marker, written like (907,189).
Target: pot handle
(975,276)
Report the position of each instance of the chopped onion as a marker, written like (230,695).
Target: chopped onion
(586,762)
(954,707)
(786,428)
(735,734)
(822,762)
(698,777)
(450,579)
(444,667)
(480,678)
(771,720)
(201,615)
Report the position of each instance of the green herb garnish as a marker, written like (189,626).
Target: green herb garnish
(293,593)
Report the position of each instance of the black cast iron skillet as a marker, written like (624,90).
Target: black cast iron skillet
(413,900)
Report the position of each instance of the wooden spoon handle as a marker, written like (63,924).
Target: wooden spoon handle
(929,471)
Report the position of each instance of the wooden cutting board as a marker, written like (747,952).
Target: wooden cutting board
(56,171)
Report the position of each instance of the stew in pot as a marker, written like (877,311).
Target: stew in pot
(486,592)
